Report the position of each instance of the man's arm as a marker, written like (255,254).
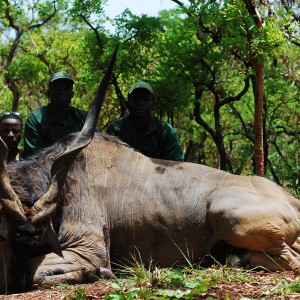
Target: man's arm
(171,147)
(32,138)
(110,129)
(114,128)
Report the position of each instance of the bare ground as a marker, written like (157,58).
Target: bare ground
(262,286)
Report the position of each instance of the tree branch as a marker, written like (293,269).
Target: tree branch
(99,40)
(239,95)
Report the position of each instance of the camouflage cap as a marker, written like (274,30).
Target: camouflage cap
(141,85)
(60,75)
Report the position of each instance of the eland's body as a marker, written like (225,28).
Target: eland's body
(117,201)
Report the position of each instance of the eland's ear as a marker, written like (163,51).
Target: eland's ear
(51,239)
(47,204)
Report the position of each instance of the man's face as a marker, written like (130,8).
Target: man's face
(61,92)
(140,103)
(11,132)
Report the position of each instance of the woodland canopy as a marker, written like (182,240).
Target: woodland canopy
(209,63)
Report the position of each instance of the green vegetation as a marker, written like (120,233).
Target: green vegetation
(201,59)
(218,282)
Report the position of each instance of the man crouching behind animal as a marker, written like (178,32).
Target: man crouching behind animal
(11,133)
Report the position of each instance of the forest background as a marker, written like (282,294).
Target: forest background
(209,62)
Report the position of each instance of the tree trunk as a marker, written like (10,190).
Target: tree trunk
(258,119)
(258,67)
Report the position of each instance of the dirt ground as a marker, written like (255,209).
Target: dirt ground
(263,286)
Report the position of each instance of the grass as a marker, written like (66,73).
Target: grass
(135,281)
(138,282)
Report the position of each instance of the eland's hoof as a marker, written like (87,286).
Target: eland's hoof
(106,273)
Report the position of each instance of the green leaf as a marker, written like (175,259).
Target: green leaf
(115,285)
(115,296)
(294,287)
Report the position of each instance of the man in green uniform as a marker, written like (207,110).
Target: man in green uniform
(48,124)
(144,132)
(11,133)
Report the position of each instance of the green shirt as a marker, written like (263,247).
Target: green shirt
(43,129)
(159,141)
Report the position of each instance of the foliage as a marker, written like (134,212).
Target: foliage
(25,69)
(196,57)
(87,8)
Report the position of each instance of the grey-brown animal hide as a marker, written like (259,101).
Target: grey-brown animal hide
(117,202)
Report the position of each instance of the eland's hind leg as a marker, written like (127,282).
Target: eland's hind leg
(276,259)
(296,246)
